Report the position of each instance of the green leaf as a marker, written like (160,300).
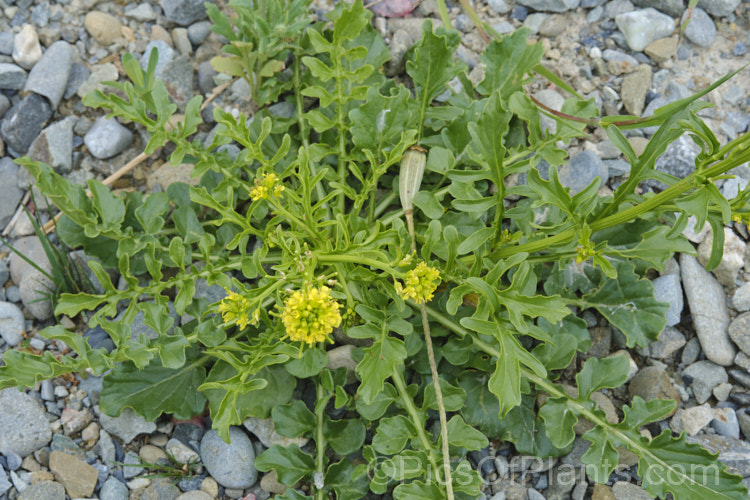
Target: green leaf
(378,364)
(454,397)
(155,390)
(110,208)
(290,463)
(642,412)
(345,436)
(428,203)
(465,436)
(628,304)
(488,132)
(606,373)
(560,421)
(392,434)
(377,408)
(558,355)
(293,419)
(477,239)
(506,63)
(601,458)
(349,481)
(310,364)
(417,490)
(527,432)
(377,124)
(482,407)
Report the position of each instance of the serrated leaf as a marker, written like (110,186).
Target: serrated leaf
(507,62)
(378,364)
(290,463)
(527,432)
(377,124)
(642,412)
(601,458)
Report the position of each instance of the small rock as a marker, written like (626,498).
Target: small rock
(12,323)
(23,425)
(668,289)
(722,391)
(106,72)
(103,27)
(198,32)
(499,6)
(131,465)
(718,8)
(581,170)
(34,289)
(231,465)
(264,430)
(164,52)
(740,299)
(182,42)
(641,27)
(662,50)
(669,342)
(270,483)
(725,423)
(54,146)
(619,62)
(49,76)
(90,434)
(182,453)
(26,48)
(692,420)
(602,492)
(43,490)
(732,452)
(23,122)
(554,25)
(183,12)
(178,80)
(550,5)
(732,260)
(112,489)
(708,306)
(143,12)
(107,138)
(739,332)
(652,382)
(12,77)
(195,495)
(161,489)
(690,230)
(338,357)
(127,426)
(634,88)
(551,99)
(106,447)
(210,486)
(673,8)
(10,196)
(701,30)
(74,421)
(703,376)
(78,477)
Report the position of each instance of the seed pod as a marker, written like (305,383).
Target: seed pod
(410,176)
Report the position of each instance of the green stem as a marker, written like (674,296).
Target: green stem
(320,439)
(341,126)
(444,15)
(411,409)
(357,259)
(293,218)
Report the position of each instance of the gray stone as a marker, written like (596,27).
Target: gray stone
(619,62)
(641,27)
(65,444)
(719,8)
(49,76)
(142,12)
(35,289)
(499,6)
(11,323)
(26,48)
(113,489)
(677,160)
(732,260)
(692,420)
(725,423)
(23,425)
(197,495)
(206,74)
(106,447)
(138,327)
(43,490)
(702,377)
(23,122)
(231,465)
(54,146)
(12,77)
(669,342)
(6,43)
(164,52)
(107,138)
(177,76)
(550,5)
(701,30)
(198,32)
(183,12)
(668,289)
(739,332)
(127,426)
(264,430)
(551,99)
(740,299)
(79,73)
(652,382)
(614,8)
(732,452)
(182,453)
(634,88)
(32,248)
(10,193)
(5,484)
(4,105)
(99,73)
(132,465)
(674,8)
(581,170)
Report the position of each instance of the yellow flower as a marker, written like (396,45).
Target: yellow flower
(310,315)
(420,283)
(234,308)
(266,186)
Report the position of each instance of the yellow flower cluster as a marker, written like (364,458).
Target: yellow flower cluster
(310,315)
(585,251)
(420,283)
(235,307)
(266,186)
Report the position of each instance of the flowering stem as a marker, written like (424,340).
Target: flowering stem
(320,440)
(293,218)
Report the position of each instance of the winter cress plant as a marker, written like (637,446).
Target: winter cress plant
(405,222)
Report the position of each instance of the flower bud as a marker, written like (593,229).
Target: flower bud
(410,176)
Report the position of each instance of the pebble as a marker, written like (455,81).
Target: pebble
(725,423)
(143,12)
(673,8)
(26,48)
(23,122)
(670,341)
(43,490)
(619,62)
(164,52)
(54,146)
(707,304)
(231,465)
(678,159)
(183,12)
(12,77)
(10,196)
(732,452)
(634,88)
(669,289)
(34,289)
(701,30)
(740,299)
(178,80)
(652,382)
(182,43)
(11,323)
(719,8)
(23,425)
(641,27)
(107,138)
(551,99)
(499,6)
(702,377)
(662,50)
(182,453)
(195,495)
(106,72)
(49,76)
(104,28)
(112,489)
(78,477)
(739,332)
(263,429)
(692,420)
(732,260)
(127,426)
(550,5)
(74,421)
(581,170)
